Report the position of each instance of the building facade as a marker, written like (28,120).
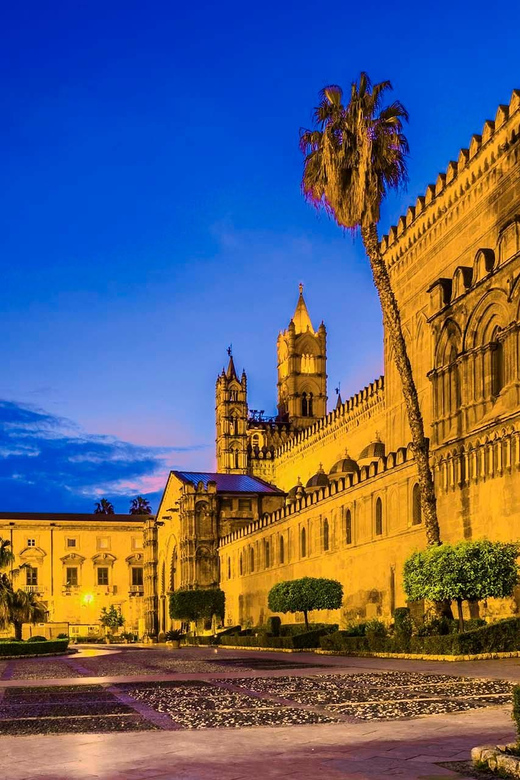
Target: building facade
(76,564)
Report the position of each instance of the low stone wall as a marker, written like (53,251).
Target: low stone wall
(497,758)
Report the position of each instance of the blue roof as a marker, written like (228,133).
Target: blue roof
(228,483)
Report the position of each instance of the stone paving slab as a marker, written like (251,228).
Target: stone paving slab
(329,751)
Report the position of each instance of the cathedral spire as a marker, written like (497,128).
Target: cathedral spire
(231,372)
(301,318)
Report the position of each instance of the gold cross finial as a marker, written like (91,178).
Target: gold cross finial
(301,288)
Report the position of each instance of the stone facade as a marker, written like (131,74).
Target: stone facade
(454,260)
(78,564)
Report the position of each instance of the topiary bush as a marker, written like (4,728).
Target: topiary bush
(273,625)
(37,639)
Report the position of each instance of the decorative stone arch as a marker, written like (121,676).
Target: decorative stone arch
(509,240)
(32,556)
(204,563)
(483,264)
(449,344)
(490,313)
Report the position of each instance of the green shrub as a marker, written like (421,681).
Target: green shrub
(356,629)
(501,637)
(273,625)
(37,639)
(33,648)
(197,604)
(467,571)
(516,711)
(62,636)
(291,629)
(402,628)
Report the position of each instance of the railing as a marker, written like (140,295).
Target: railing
(34,588)
(136,590)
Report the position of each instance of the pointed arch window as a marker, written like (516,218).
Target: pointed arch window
(497,363)
(241,564)
(379,517)
(229,568)
(282,550)
(303,543)
(251,560)
(309,406)
(416,505)
(348,527)
(267,555)
(305,405)
(325,535)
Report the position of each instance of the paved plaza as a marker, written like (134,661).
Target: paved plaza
(133,712)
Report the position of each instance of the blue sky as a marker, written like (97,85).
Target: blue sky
(151,214)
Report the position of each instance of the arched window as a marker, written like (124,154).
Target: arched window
(325,535)
(305,408)
(379,517)
(282,549)
(256,440)
(309,405)
(497,364)
(235,458)
(416,505)
(229,568)
(267,555)
(348,527)
(303,543)
(234,423)
(252,559)
(241,564)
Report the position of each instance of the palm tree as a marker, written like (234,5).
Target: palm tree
(140,506)
(356,153)
(104,507)
(16,606)
(24,608)
(6,554)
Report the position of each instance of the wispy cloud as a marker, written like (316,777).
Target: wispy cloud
(48,463)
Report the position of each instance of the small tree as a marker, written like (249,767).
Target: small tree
(197,604)
(111,618)
(467,571)
(305,595)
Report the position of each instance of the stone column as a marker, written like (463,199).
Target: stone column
(150,577)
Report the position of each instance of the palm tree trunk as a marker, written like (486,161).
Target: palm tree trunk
(392,323)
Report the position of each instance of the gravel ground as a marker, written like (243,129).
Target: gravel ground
(66,710)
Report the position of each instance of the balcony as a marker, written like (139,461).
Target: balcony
(38,589)
(136,590)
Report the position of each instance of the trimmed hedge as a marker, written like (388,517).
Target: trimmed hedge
(298,641)
(34,648)
(501,637)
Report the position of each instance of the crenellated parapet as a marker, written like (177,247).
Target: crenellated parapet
(489,155)
(344,485)
(362,404)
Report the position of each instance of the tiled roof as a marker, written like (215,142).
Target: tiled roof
(65,517)
(227,483)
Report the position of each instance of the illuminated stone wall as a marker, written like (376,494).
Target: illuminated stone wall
(454,260)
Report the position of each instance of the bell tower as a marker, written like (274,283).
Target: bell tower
(302,369)
(231,418)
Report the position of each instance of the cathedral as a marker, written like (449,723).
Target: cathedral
(316,491)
